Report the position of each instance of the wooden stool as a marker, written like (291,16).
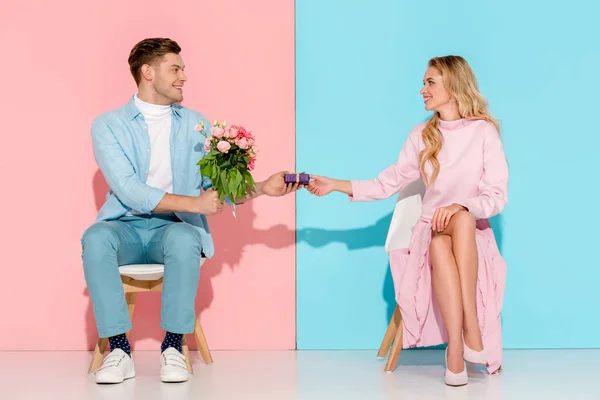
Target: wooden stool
(148,278)
(406,214)
(393,339)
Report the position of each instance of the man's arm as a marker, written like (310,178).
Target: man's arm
(275,186)
(252,194)
(208,204)
(122,179)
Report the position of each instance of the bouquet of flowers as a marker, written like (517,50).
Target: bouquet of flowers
(231,155)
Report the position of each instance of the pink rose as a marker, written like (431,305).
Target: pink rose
(223,146)
(244,133)
(207,145)
(251,164)
(233,132)
(250,142)
(242,143)
(217,132)
(199,127)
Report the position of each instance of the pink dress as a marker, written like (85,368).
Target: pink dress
(473,173)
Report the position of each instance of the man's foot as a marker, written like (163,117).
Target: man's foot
(174,340)
(173,367)
(116,367)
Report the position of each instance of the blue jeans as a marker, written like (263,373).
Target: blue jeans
(156,239)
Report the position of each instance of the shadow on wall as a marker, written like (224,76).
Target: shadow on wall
(146,319)
(359,238)
(229,252)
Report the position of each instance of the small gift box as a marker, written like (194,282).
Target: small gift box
(303,179)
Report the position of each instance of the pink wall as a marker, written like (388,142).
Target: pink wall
(66,62)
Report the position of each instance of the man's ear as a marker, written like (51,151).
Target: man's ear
(147,72)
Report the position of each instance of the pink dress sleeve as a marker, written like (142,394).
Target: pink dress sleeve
(392,179)
(493,184)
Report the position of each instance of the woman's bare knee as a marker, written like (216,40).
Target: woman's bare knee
(440,246)
(463,219)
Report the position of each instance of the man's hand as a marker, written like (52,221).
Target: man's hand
(208,203)
(275,186)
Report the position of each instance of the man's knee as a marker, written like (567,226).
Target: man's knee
(100,235)
(181,237)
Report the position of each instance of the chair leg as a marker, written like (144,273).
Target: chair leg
(130,298)
(186,353)
(390,333)
(396,349)
(98,356)
(201,342)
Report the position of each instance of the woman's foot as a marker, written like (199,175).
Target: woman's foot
(472,338)
(456,368)
(473,347)
(454,359)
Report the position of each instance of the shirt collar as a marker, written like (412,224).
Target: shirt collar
(133,112)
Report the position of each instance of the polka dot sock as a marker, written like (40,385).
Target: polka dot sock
(120,342)
(172,340)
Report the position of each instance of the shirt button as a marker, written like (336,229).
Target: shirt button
(148,150)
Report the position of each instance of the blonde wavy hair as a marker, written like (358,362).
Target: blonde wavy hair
(459,80)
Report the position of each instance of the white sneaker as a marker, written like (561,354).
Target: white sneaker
(173,367)
(116,367)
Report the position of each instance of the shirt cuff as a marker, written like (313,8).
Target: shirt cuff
(152,200)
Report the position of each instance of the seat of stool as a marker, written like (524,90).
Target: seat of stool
(143,272)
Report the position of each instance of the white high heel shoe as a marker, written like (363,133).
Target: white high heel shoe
(472,356)
(453,379)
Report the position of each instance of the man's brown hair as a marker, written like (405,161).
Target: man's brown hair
(148,51)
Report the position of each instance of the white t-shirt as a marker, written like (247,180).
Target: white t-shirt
(158,119)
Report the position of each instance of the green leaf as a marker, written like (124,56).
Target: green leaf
(206,170)
(224,180)
(220,189)
(249,179)
(238,178)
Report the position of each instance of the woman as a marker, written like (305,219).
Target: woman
(459,156)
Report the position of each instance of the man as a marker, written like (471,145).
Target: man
(156,209)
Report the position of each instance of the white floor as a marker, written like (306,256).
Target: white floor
(282,375)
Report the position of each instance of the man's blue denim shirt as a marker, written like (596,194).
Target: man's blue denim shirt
(122,150)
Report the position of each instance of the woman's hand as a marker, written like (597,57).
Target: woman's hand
(441,217)
(321,185)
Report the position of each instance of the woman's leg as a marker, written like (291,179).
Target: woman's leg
(446,287)
(461,229)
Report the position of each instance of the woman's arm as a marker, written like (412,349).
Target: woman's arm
(493,186)
(389,182)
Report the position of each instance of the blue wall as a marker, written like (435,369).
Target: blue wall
(359,70)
